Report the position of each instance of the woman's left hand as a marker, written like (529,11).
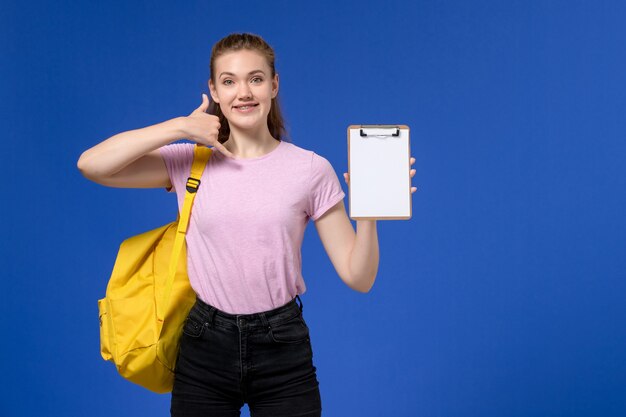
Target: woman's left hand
(346,176)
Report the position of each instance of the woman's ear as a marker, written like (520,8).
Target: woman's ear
(275,86)
(213,92)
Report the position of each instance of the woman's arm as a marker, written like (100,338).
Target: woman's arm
(354,256)
(131,158)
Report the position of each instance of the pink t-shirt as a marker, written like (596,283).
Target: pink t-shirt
(247,223)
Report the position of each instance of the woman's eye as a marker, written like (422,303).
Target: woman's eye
(255,80)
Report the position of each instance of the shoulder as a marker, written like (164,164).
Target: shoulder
(295,151)
(302,155)
(177,150)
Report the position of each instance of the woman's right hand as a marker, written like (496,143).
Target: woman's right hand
(203,128)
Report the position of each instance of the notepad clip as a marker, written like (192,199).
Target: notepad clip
(380,131)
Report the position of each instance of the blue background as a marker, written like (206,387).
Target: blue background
(502,296)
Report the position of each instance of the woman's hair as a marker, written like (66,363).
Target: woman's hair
(252,42)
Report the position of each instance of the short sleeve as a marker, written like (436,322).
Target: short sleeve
(178,158)
(325,190)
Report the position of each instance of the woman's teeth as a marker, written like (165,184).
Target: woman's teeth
(245,107)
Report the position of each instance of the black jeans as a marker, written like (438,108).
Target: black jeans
(263,359)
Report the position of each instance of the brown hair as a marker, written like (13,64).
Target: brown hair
(236,42)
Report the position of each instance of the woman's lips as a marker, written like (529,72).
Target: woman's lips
(246,108)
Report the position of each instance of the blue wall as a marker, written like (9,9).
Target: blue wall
(502,296)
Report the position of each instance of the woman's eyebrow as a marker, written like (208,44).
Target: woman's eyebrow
(250,73)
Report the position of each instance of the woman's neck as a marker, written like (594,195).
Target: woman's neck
(249,144)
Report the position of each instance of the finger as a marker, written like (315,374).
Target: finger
(412,173)
(412,161)
(413,189)
(205,103)
(224,151)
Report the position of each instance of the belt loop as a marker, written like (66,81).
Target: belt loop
(264,321)
(300,302)
(212,312)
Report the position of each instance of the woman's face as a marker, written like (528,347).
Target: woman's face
(244,88)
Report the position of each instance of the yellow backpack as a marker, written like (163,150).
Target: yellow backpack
(148,297)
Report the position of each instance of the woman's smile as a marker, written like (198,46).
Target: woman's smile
(246,108)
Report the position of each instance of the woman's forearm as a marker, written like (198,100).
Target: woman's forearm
(364,256)
(113,154)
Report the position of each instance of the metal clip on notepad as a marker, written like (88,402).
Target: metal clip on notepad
(379,131)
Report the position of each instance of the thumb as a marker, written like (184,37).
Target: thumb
(205,103)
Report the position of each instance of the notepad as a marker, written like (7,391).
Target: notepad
(379,168)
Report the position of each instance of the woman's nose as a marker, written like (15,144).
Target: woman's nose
(244,91)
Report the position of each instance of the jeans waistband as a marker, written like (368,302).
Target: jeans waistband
(212,315)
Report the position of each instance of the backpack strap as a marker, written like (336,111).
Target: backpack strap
(201,155)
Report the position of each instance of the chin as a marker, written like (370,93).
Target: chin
(244,126)
(244,122)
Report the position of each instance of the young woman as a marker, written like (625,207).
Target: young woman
(245,340)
